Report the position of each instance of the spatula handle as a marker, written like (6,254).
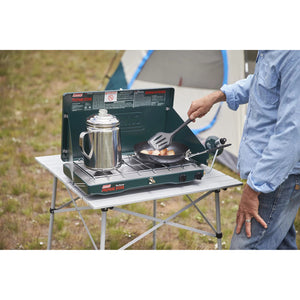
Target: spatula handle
(182,125)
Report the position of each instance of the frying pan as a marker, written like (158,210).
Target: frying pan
(181,152)
(179,149)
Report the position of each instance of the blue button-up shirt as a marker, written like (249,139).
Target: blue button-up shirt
(270,146)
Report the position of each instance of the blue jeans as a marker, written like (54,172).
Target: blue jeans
(278,209)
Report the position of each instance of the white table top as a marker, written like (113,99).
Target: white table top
(214,180)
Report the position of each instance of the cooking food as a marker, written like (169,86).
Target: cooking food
(162,152)
(171,152)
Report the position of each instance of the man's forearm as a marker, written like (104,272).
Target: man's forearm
(218,96)
(202,106)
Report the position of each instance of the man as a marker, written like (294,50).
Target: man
(269,155)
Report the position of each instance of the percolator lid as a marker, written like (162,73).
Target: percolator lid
(103,119)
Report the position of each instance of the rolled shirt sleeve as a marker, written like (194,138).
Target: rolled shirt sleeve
(237,93)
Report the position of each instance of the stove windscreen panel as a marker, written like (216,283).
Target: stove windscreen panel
(138,111)
(141,113)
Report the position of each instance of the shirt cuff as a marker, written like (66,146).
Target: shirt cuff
(230,96)
(265,187)
(251,184)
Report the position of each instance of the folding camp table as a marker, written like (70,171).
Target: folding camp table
(212,182)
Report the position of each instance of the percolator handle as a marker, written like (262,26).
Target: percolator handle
(81,144)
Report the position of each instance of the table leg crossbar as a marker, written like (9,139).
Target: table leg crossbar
(202,214)
(168,222)
(81,217)
(60,209)
(157,222)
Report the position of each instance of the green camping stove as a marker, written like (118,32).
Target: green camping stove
(141,114)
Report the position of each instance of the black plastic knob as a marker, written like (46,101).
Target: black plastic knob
(198,175)
(223,141)
(182,178)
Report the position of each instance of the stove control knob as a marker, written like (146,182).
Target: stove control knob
(182,178)
(151,180)
(198,175)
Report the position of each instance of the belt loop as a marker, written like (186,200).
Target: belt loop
(297,186)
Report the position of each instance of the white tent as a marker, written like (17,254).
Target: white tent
(193,74)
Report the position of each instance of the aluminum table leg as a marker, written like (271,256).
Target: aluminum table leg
(218,219)
(52,212)
(80,215)
(103,228)
(154,223)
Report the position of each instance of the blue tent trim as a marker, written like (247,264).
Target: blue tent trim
(225,81)
(118,80)
(225,66)
(139,68)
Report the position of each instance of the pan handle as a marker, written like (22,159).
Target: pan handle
(190,155)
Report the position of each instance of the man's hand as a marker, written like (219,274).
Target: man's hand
(248,209)
(202,106)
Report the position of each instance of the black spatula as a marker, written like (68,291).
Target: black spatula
(162,140)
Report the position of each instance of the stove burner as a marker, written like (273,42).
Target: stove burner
(102,173)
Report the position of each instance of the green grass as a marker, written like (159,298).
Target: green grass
(31,88)
(11,205)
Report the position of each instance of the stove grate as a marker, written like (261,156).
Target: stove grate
(133,165)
